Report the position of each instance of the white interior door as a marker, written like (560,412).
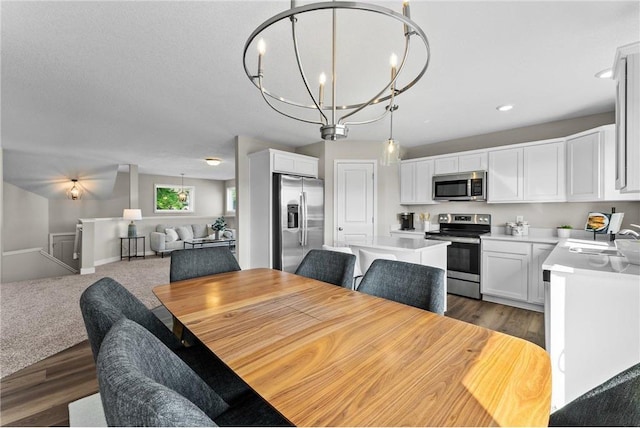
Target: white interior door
(354,200)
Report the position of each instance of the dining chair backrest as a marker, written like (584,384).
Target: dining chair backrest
(143,383)
(329,266)
(409,283)
(106,301)
(356,268)
(615,402)
(197,262)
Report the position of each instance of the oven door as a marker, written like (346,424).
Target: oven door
(463,265)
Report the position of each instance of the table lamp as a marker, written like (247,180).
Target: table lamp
(132,214)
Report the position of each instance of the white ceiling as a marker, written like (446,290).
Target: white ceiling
(161,84)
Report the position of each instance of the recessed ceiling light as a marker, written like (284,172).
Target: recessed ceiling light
(605,74)
(505,107)
(213,161)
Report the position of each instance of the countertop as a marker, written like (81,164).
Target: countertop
(399,243)
(562,259)
(531,238)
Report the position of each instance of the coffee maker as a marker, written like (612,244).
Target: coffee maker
(406,221)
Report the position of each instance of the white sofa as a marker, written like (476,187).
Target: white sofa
(167,238)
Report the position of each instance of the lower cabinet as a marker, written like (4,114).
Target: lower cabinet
(512,273)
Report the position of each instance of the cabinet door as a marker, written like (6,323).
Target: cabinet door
(544,175)
(448,165)
(505,175)
(407,182)
(608,138)
(505,274)
(423,182)
(295,164)
(539,252)
(473,162)
(584,167)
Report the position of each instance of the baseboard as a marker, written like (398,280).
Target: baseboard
(515,303)
(87,271)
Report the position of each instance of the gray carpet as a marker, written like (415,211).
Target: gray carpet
(41,317)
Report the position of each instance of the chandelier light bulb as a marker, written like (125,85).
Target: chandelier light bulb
(393,60)
(262,47)
(323,78)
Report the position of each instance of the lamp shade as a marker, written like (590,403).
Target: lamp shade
(132,214)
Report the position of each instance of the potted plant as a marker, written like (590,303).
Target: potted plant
(219,226)
(564,231)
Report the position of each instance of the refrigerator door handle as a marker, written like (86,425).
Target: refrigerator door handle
(303,221)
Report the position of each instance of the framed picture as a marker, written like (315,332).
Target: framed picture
(167,199)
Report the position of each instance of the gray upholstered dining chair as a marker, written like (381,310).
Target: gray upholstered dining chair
(194,263)
(142,383)
(106,301)
(329,266)
(409,283)
(197,262)
(615,402)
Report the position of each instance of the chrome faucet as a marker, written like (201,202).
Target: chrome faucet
(633,233)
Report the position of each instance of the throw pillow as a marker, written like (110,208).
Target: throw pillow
(227,234)
(199,230)
(184,232)
(172,235)
(210,230)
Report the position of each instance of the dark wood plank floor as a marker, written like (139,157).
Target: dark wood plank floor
(39,395)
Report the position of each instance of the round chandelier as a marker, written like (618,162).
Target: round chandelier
(335,116)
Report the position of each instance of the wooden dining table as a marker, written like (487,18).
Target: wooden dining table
(323,355)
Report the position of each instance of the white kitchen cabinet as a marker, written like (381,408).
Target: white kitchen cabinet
(544,172)
(461,163)
(539,252)
(591,158)
(626,72)
(584,167)
(505,175)
(415,182)
(293,163)
(512,272)
(534,172)
(505,269)
(448,165)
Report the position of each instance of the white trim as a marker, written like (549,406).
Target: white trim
(23,251)
(335,192)
(87,271)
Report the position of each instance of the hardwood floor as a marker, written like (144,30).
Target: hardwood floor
(39,395)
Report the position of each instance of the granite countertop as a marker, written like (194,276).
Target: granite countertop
(398,243)
(594,257)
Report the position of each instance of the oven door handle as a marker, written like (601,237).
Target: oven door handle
(459,239)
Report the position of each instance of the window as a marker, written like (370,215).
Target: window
(231,201)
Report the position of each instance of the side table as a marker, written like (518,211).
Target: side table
(131,254)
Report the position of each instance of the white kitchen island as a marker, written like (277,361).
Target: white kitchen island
(592,316)
(420,251)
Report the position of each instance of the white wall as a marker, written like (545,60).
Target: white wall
(25,219)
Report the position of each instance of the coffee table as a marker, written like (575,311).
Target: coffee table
(210,242)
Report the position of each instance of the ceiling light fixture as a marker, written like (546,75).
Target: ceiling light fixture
(505,107)
(605,74)
(182,196)
(75,192)
(332,127)
(391,149)
(213,161)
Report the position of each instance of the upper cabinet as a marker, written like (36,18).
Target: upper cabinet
(533,173)
(626,72)
(293,163)
(591,169)
(461,163)
(415,182)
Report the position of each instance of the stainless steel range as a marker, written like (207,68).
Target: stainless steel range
(463,255)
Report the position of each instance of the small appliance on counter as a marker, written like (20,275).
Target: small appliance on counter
(406,221)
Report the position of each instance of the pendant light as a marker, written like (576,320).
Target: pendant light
(391,149)
(182,196)
(75,192)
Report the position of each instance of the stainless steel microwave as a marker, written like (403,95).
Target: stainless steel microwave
(463,186)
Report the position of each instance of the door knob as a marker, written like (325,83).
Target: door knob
(339,229)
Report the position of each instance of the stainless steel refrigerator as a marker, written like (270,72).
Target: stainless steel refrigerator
(298,219)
